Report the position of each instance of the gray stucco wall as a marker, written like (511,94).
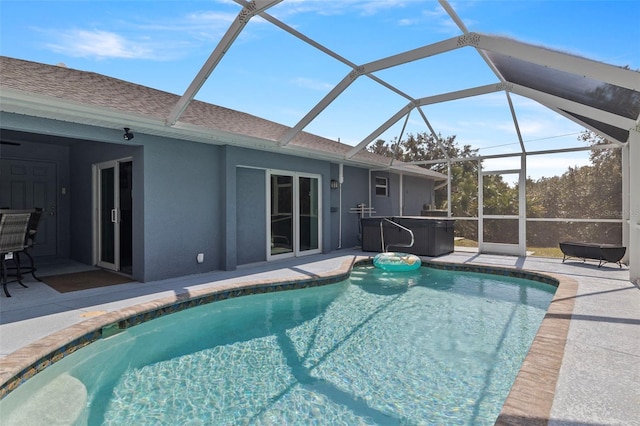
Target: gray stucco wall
(355,190)
(388,205)
(417,192)
(251,215)
(182,207)
(175,203)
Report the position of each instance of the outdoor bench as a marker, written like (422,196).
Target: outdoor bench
(603,253)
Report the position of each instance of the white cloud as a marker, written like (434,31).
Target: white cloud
(376,6)
(153,39)
(406,22)
(438,18)
(148,37)
(211,17)
(533,128)
(100,44)
(339,7)
(310,83)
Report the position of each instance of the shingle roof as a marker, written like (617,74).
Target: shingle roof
(92,89)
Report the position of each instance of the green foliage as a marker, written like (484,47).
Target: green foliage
(592,191)
(587,192)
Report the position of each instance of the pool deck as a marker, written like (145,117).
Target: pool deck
(583,368)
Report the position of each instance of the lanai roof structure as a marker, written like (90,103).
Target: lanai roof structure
(597,96)
(600,97)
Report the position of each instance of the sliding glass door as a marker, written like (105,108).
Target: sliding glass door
(294,208)
(113,218)
(308,223)
(281,214)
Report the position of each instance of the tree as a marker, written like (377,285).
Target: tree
(381,147)
(592,191)
(464,174)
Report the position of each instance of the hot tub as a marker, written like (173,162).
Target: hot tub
(433,236)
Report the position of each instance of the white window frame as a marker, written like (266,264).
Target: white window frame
(384,186)
(296,212)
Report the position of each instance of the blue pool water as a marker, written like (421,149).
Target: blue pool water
(420,347)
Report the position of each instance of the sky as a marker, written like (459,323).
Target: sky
(271,74)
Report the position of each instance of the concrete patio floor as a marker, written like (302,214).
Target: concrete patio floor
(597,383)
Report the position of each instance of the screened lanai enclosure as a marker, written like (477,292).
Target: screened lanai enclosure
(544,147)
(602,100)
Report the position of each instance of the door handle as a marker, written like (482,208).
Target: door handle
(114,215)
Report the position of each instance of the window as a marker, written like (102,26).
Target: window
(382,186)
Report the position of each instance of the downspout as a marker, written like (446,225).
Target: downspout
(340,180)
(369,193)
(401,195)
(448,188)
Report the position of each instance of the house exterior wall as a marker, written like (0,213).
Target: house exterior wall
(82,157)
(388,205)
(183,212)
(189,197)
(243,211)
(251,231)
(355,190)
(416,193)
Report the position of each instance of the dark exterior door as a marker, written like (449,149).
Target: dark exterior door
(26,184)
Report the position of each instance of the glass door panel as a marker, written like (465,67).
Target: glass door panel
(281,214)
(114,218)
(125,202)
(309,220)
(107,219)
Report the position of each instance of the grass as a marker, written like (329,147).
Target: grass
(465,243)
(537,251)
(546,251)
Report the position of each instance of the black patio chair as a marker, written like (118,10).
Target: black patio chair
(13,229)
(29,241)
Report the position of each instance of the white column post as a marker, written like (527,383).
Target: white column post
(480,208)
(448,188)
(401,194)
(522,206)
(634,205)
(624,215)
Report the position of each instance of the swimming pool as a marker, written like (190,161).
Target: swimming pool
(426,346)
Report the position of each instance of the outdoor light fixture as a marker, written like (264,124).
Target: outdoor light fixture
(127,134)
(334,184)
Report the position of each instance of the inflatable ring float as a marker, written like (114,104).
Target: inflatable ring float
(393,261)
